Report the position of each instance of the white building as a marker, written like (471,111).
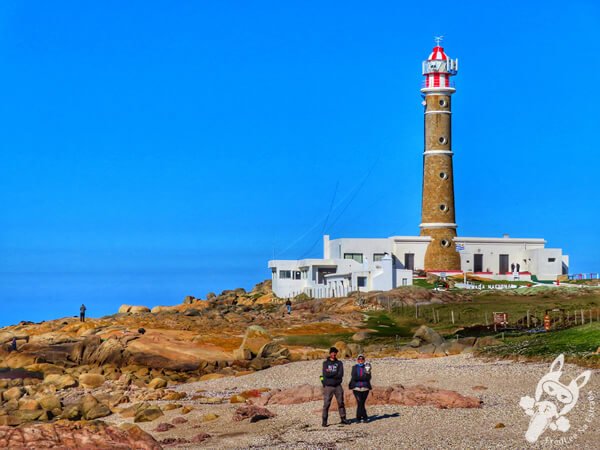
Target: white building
(354,264)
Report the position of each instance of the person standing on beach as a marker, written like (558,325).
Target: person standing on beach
(82,313)
(360,384)
(288,305)
(332,377)
(13,344)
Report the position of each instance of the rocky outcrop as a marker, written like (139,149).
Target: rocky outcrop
(255,338)
(133,309)
(393,395)
(96,435)
(252,412)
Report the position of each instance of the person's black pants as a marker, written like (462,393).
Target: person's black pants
(82,317)
(361,399)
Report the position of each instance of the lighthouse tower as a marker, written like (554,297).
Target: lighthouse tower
(437,210)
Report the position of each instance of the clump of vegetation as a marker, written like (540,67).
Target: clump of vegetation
(578,344)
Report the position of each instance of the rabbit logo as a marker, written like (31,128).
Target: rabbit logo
(553,400)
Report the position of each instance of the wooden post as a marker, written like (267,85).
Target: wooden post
(452,314)
(582,317)
(590,316)
(528,319)
(416,310)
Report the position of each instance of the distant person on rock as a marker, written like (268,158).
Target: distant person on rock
(13,344)
(288,305)
(360,384)
(332,377)
(82,309)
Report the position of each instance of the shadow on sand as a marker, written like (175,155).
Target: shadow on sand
(379,417)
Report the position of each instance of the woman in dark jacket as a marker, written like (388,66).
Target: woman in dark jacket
(360,384)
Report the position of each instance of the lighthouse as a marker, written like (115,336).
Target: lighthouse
(438,217)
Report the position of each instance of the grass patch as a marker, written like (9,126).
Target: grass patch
(577,343)
(316,340)
(421,282)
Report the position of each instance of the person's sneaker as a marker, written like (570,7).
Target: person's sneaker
(345,421)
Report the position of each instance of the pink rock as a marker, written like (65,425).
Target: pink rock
(252,412)
(96,435)
(161,427)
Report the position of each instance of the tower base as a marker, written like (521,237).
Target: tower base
(441,252)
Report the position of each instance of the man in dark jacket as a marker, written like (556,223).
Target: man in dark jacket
(333,375)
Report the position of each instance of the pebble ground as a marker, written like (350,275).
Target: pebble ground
(499,424)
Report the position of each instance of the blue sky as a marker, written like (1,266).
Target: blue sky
(152,150)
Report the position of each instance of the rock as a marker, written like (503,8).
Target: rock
(199,438)
(171,406)
(173,395)
(148,414)
(242,354)
(486,341)
(273,350)
(62,435)
(211,376)
(252,412)
(255,338)
(360,336)
(30,416)
(500,425)
(123,309)
(91,380)
(237,399)
(50,402)
(139,309)
(28,404)
(162,427)
(179,420)
(393,395)
(60,381)
(91,408)
(98,411)
(157,383)
(260,364)
(428,336)
(14,393)
(186,409)
(189,299)
(209,417)
(71,412)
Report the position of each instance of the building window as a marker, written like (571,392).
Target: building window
(283,274)
(445,243)
(378,256)
(443,175)
(297,275)
(443,140)
(358,257)
(551,259)
(443,102)
(361,281)
(404,282)
(443,207)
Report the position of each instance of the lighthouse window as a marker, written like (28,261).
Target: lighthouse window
(445,243)
(443,175)
(443,103)
(443,207)
(443,140)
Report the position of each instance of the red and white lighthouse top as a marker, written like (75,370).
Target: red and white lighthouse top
(437,54)
(438,69)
